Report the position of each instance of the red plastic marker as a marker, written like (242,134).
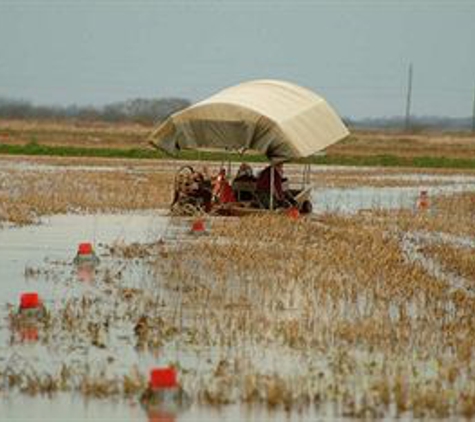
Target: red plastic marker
(30,301)
(161,378)
(423,201)
(293,213)
(86,254)
(85,249)
(198,226)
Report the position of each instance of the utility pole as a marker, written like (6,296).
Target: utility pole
(408,100)
(473,114)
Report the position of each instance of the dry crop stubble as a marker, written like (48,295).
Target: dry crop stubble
(28,195)
(341,286)
(456,260)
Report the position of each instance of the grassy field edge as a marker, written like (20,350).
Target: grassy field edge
(35,149)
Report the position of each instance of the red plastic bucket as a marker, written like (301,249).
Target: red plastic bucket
(163,378)
(85,249)
(30,301)
(198,226)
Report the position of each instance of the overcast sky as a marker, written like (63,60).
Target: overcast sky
(354,53)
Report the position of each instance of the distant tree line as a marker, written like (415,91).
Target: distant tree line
(137,110)
(149,111)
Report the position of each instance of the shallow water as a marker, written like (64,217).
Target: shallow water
(352,200)
(56,239)
(411,245)
(54,242)
(65,407)
(53,245)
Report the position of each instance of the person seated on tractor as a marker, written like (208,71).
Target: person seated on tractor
(282,197)
(205,190)
(198,189)
(222,190)
(244,183)
(245,174)
(263,185)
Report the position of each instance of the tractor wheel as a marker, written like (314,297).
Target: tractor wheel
(306,207)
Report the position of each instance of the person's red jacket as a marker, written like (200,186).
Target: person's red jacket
(263,182)
(223,190)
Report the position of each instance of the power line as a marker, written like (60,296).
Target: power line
(409,95)
(473,115)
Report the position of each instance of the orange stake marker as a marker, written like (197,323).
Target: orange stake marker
(198,226)
(423,201)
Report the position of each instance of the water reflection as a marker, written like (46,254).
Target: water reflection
(28,333)
(157,415)
(86,272)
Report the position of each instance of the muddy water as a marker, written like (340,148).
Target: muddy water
(39,258)
(53,245)
(352,200)
(56,240)
(65,407)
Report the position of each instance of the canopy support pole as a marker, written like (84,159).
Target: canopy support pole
(271,199)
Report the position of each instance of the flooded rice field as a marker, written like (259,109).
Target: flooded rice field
(50,358)
(365,309)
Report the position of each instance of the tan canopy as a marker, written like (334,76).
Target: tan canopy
(279,119)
